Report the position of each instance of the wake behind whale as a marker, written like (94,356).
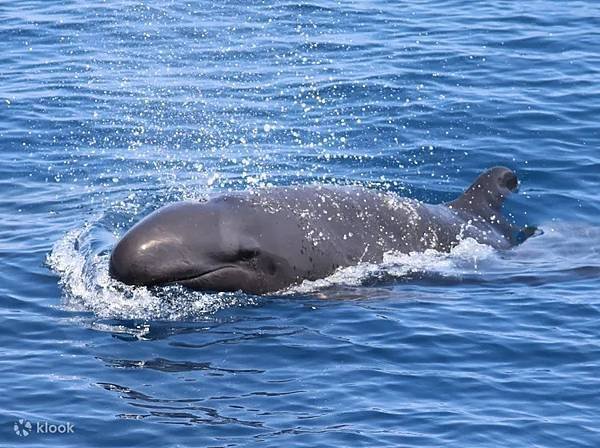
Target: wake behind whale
(268,240)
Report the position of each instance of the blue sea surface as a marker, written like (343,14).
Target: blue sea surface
(109,110)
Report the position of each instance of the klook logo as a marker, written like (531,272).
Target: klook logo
(24,427)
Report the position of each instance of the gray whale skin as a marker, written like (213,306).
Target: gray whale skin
(266,240)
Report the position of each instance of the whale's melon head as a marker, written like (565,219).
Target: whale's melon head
(204,246)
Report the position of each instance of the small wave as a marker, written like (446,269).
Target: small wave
(88,287)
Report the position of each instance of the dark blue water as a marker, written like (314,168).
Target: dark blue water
(110,109)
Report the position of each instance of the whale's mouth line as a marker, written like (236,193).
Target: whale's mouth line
(196,277)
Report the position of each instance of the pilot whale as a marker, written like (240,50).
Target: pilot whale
(266,240)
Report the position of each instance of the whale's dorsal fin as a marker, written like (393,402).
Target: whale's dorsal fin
(486,195)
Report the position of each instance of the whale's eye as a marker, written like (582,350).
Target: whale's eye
(248,253)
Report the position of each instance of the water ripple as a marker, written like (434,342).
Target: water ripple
(110,110)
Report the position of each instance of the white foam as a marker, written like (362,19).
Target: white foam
(465,258)
(88,287)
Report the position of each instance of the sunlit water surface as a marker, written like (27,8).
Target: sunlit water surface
(109,110)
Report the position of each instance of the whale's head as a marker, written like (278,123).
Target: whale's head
(204,246)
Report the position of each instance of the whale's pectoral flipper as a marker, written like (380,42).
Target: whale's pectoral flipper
(486,195)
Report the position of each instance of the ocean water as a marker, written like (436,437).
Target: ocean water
(109,110)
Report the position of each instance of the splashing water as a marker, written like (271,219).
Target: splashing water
(463,258)
(88,287)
